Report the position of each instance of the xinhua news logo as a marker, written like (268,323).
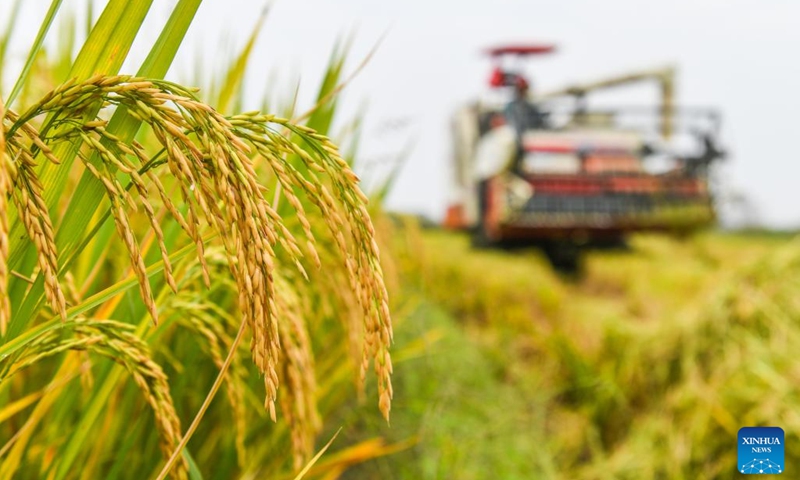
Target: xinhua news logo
(760,450)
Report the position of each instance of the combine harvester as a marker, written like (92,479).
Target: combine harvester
(548,171)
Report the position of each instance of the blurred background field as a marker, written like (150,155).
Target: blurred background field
(644,368)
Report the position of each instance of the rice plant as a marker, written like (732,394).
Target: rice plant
(228,226)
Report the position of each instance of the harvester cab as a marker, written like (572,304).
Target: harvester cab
(547,170)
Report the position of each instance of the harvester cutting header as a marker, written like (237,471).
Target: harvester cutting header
(548,170)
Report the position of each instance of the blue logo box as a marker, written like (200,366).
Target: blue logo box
(760,450)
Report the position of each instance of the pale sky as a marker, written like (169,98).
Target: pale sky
(740,56)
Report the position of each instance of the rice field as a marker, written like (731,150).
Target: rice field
(644,368)
(192,291)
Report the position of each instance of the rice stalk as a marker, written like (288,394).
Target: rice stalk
(5,188)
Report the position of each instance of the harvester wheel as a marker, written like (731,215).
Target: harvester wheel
(481,239)
(564,256)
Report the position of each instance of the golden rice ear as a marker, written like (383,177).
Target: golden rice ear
(22,184)
(346,216)
(115,195)
(117,341)
(36,219)
(210,160)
